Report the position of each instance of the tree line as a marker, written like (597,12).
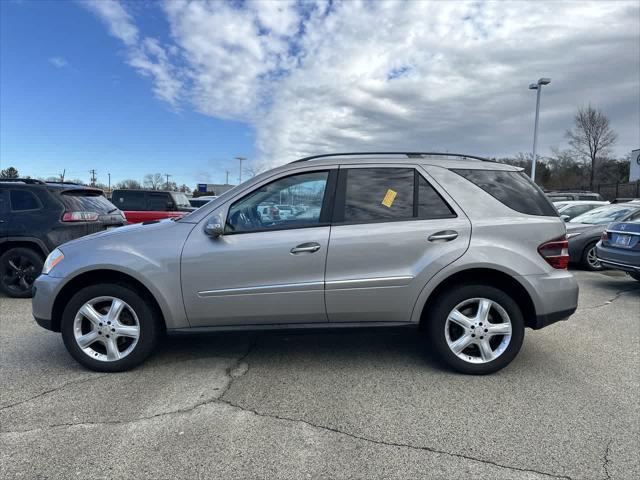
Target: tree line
(585,161)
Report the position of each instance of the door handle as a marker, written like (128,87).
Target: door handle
(306,248)
(446,235)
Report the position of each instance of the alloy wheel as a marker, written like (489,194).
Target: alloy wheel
(106,329)
(478,330)
(19,274)
(592,259)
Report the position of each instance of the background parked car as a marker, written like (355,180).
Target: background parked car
(584,231)
(565,196)
(200,201)
(147,205)
(619,247)
(36,217)
(573,208)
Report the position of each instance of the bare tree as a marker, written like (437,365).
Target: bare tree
(591,137)
(254,169)
(153,181)
(128,184)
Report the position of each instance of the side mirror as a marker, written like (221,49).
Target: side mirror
(214,226)
(566,218)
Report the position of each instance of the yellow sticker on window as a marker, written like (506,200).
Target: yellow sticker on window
(388,199)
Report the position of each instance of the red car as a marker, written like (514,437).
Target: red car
(148,205)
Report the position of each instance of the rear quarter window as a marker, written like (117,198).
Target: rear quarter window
(129,200)
(513,189)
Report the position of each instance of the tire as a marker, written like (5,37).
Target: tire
(586,262)
(470,360)
(136,312)
(19,267)
(635,276)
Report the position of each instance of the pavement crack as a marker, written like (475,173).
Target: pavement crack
(388,443)
(611,300)
(51,390)
(606,461)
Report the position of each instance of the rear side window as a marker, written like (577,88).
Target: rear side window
(387,194)
(158,201)
(513,189)
(23,200)
(129,200)
(84,201)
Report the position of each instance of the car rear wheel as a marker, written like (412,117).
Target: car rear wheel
(476,329)
(19,267)
(109,327)
(590,260)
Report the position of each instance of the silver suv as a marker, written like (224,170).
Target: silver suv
(471,251)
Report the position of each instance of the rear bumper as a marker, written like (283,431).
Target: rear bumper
(619,259)
(554,296)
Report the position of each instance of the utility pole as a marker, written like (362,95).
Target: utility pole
(93,177)
(109,183)
(62,176)
(227,181)
(167,175)
(240,159)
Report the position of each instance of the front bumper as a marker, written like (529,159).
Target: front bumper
(45,290)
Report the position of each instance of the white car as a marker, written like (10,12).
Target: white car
(573,208)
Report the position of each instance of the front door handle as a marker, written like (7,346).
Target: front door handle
(445,235)
(306,248)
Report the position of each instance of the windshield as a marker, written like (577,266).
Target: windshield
(181,199)
(604,215)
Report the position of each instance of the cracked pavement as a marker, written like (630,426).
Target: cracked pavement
(356,404)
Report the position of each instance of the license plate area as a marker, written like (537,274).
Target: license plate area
(621,240)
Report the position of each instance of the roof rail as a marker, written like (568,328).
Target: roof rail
(32,181)
(407,154)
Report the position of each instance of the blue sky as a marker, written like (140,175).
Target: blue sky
(183,86)
(96,112)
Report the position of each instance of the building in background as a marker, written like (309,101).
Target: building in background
(213,188)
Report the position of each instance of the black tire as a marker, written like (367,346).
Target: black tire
(443,306)
(635,276)
(19,267)
(584,261)
(149,323)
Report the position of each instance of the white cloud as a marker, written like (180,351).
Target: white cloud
(315,77)
(58,62)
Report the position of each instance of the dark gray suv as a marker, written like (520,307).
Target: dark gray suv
(469,250)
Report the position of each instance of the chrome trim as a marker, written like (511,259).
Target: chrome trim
(263,289)
(398,281)
(616,264)
(623,232)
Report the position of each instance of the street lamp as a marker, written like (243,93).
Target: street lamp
(538,87)
(240,159)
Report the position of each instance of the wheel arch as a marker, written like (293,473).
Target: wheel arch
(486,276)
(93,277)
(24,242)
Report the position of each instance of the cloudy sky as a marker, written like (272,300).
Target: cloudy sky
(277,80)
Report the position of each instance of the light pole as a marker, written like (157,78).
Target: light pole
(240,159)
(538,87)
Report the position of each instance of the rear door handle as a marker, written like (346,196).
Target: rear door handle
(306,248)
(445,235)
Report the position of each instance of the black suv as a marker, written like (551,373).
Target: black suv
(36,217)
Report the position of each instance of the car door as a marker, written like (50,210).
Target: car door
(391,232)
(262,270)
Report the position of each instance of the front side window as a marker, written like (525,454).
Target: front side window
(291,202)
(23,200)
(388,194)
(158,201)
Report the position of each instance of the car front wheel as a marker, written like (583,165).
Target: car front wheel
(476,329)
(109,327)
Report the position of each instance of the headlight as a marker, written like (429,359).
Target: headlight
(571,235)
(54,258)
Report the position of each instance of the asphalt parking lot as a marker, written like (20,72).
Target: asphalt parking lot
(340,405)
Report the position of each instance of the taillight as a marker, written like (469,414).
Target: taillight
(80,217)
(556,252)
